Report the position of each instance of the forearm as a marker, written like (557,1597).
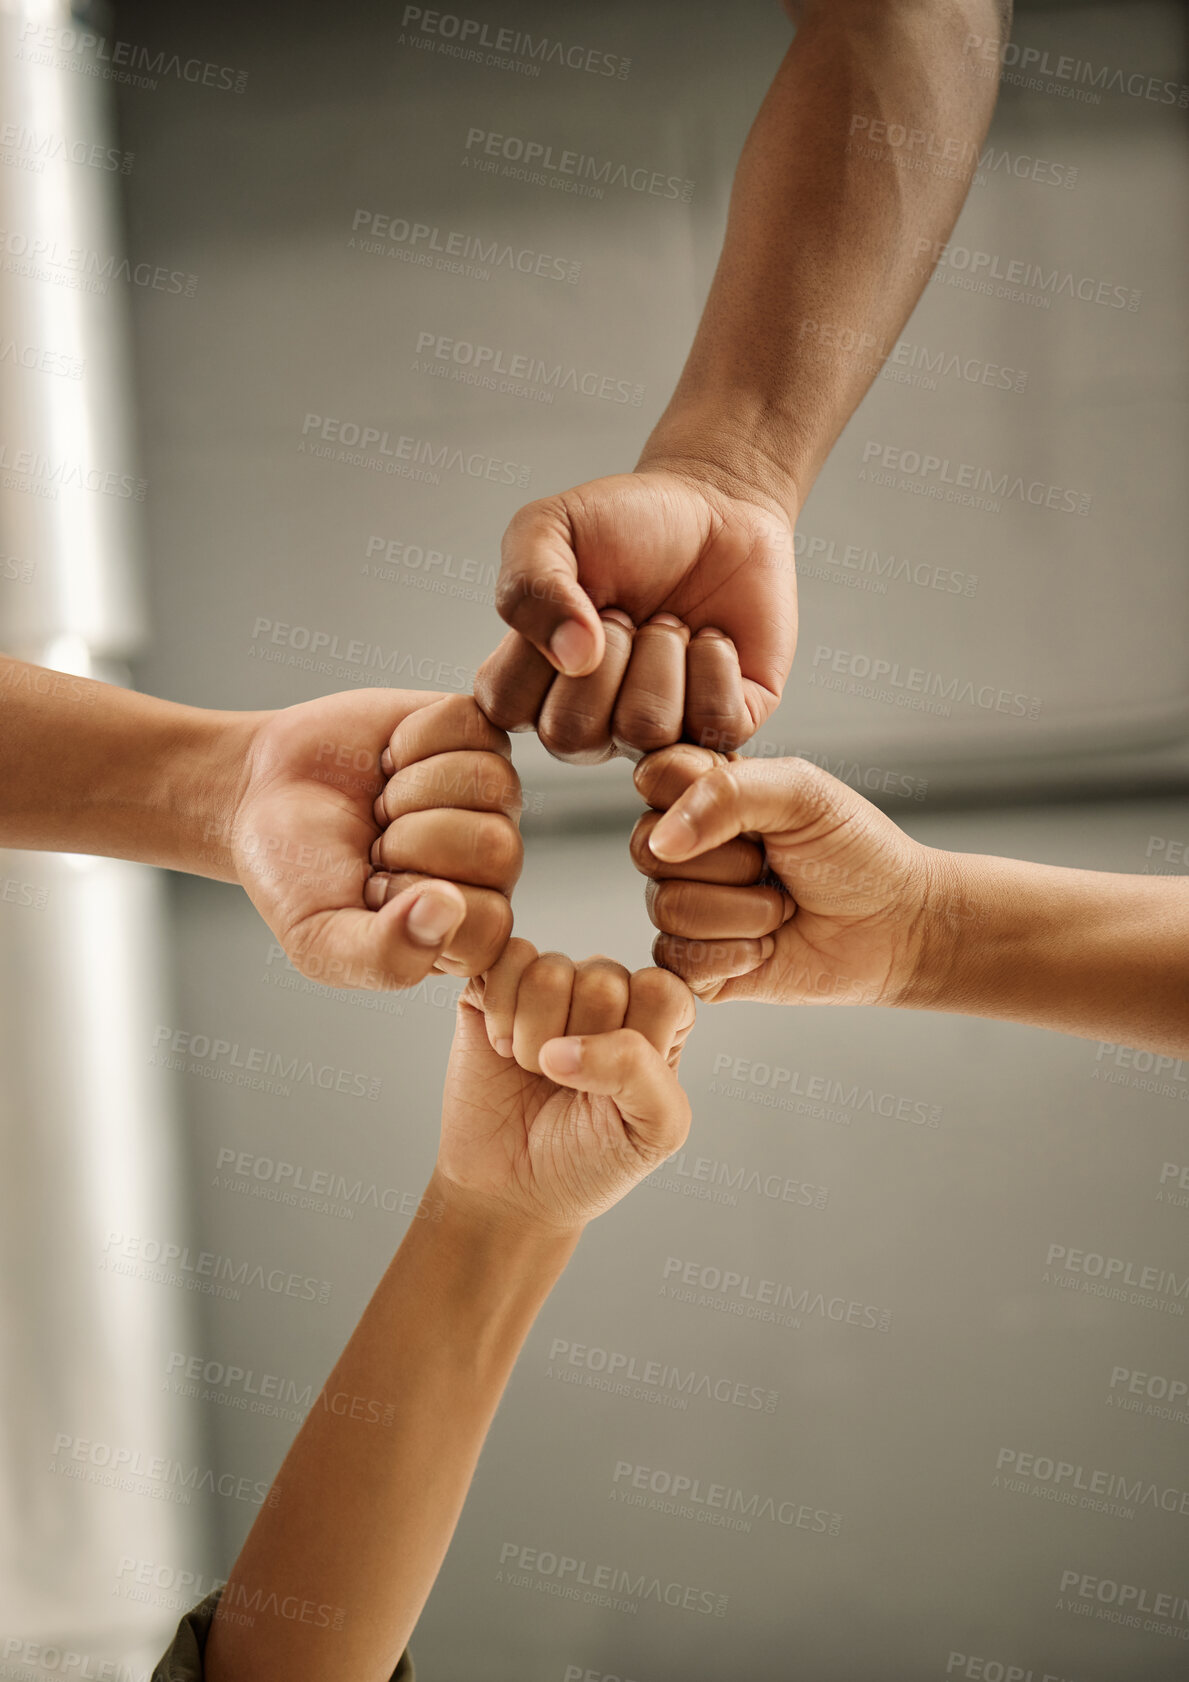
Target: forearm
(366,1502)
(1087,953)
(830,238)
(89,767)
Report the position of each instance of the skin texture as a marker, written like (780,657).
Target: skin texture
(771,880)
(829,242)
(363,1509)
(286,804)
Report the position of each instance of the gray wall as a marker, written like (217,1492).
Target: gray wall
(943,1229)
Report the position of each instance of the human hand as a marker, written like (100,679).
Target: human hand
(771,880)
(417,784)
(620,586)
(552,1130)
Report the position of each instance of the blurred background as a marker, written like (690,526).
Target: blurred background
(258,220)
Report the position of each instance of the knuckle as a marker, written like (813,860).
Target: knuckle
(641,853)
(493,929)
(648,722)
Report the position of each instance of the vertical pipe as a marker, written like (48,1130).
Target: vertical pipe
(88,1125)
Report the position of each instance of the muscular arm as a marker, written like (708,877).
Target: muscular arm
(830,235)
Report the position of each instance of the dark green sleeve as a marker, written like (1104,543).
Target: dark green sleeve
(183,1661)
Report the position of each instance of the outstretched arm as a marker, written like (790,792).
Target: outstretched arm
(849,184)
(772,880)
(299,806)
(362,1512)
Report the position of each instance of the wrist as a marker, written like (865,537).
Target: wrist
(204,776)
(735,448)
(490,1221)
(944,933)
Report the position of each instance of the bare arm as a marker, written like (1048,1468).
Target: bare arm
(848,186)
(533,1147)
(863,914)
(284,803)
(854,172)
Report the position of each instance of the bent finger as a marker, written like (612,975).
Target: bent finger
(511,684)
(708,911)
(651,704)
(575,720)
(627,1068)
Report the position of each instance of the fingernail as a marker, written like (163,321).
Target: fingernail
(431,917)
(386,762)
(571,646)
(503,1048)
(375,892)
(710,631)
(374,855)
(565,1055)
(617,616)
(667,619)
(767,947)
(673,837)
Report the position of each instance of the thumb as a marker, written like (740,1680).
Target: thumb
(538,592)
(628,1069)
(760,797)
